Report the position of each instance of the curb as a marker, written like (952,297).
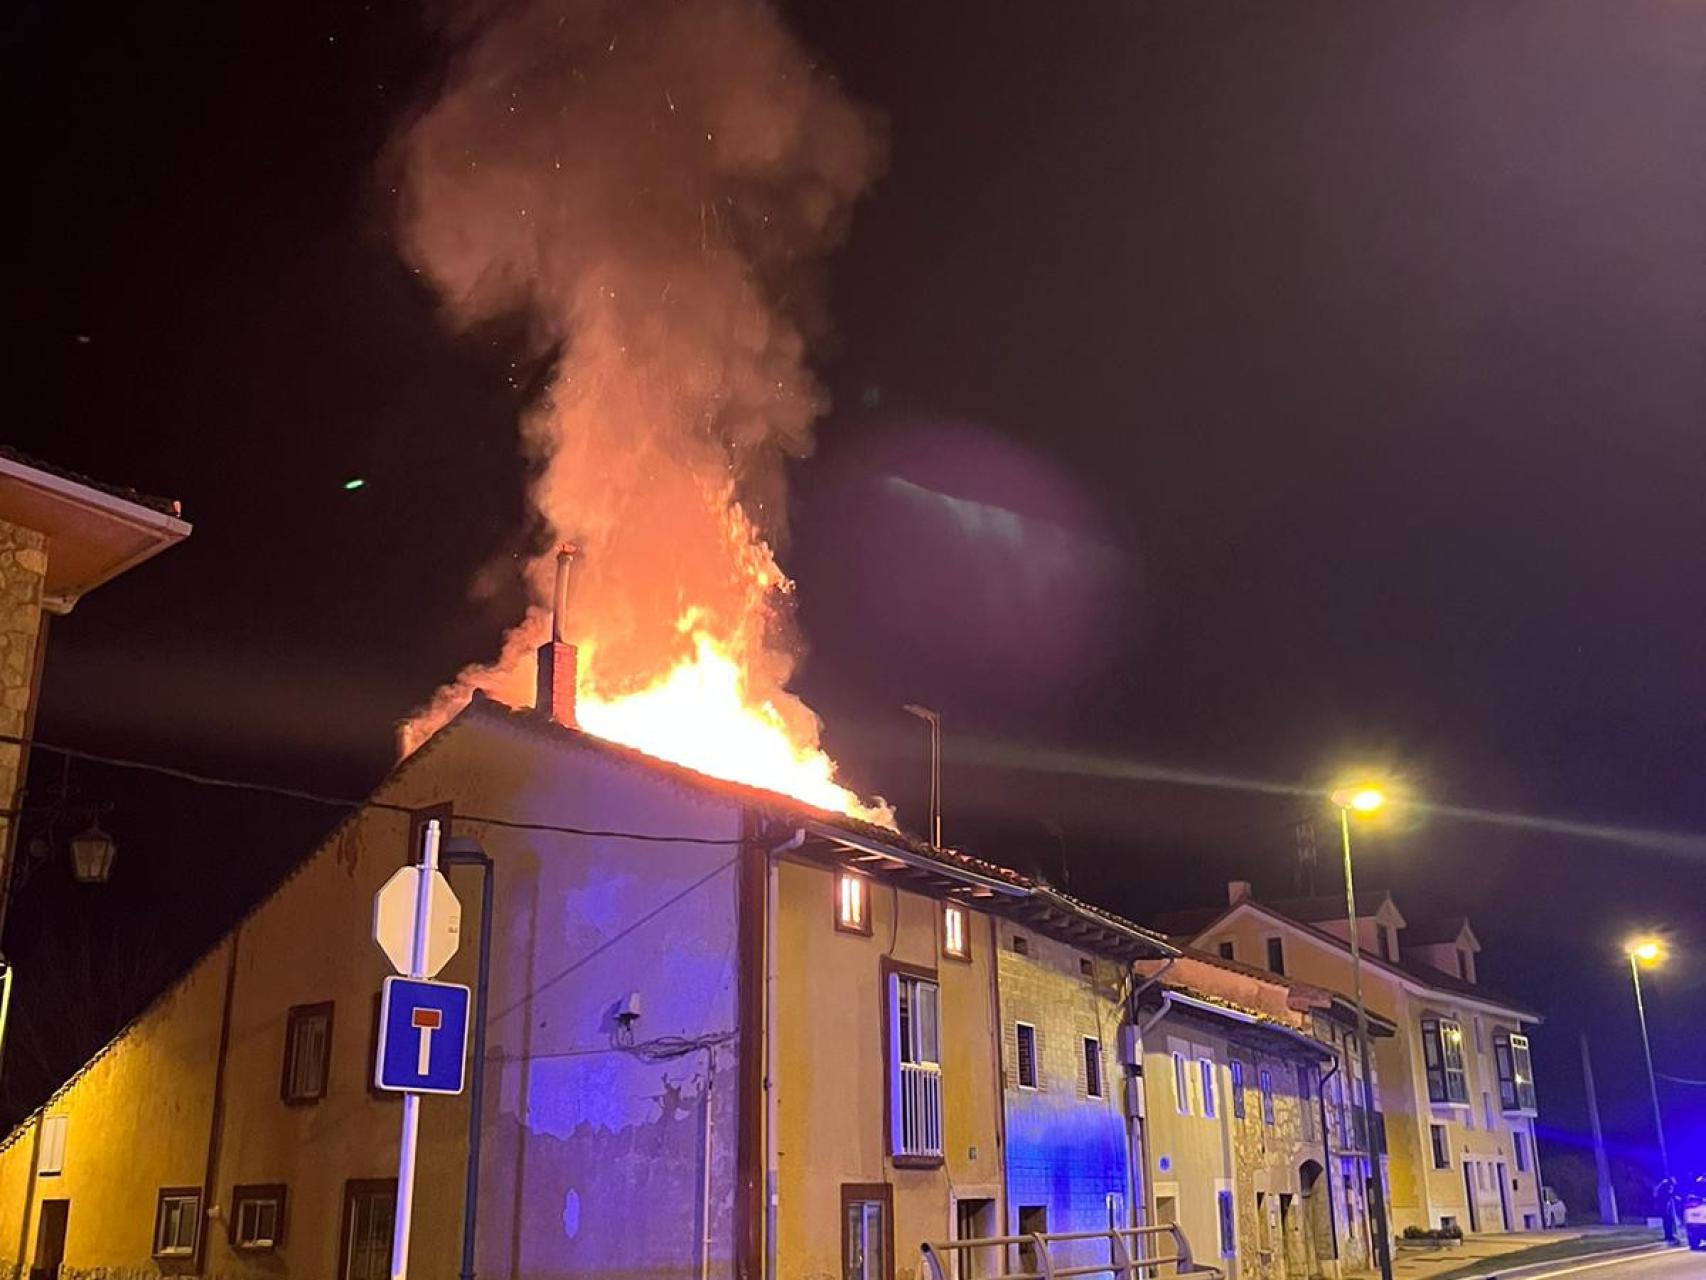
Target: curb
(1565,1266)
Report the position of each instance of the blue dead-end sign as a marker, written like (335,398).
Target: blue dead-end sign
(423,1036)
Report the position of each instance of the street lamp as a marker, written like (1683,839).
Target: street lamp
(1364,799)
(1649,952)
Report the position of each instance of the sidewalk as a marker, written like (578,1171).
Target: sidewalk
(1480,1254)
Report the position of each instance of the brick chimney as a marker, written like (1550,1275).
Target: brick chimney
(554,696)
(1237,891)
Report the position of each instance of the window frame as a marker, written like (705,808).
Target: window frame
(1275,945)
(1516,1090)
(1181,1083)
(1437,1066)
(1236,1070)
(50,1157)
(354,1188)
(167,1195)
(254,1193)
(294,1017)
(1094,1085)
(845,876)
(1519,1150)
(1228,1222)
(1383,941)
(894,975)
(878,1193)
(1265,1081)
(1227,949)
(1440,1137)
(1208,1084)
(1020,1056)
(951,909)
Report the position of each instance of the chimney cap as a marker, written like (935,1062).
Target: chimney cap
(1237,891)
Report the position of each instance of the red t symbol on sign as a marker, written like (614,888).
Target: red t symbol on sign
(426,1021)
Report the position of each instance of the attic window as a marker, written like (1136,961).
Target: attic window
(852,902)
(1086,966)
(955,943)
(1383,939)
(1021,945)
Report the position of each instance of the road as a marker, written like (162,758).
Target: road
(1672,1264)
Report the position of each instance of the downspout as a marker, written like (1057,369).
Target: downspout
(995,1025)
(1327,1154)
(1137,1133)
(772,1067)
(705,1177)
(210,1174)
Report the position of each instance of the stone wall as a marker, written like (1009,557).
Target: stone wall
(23,567)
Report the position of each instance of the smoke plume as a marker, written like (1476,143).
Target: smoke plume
(646,182)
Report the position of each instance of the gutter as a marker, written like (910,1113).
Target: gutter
(852,840)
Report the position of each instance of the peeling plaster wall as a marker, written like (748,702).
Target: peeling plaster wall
(593,1156)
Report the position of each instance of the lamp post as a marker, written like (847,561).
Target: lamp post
(1364,800)
(1648,951)
(934,720)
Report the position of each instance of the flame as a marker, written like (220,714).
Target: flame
(700,714)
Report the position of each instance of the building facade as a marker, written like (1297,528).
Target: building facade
(1456,1088)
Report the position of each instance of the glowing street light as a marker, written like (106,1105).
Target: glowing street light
(1363,799)
(1648,951)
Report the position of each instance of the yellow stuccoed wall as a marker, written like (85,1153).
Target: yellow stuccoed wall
(831,1071)
(23,567)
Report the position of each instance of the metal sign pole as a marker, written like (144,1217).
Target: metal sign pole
(411,1100)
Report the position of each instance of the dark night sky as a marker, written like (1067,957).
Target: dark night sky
(1341,369)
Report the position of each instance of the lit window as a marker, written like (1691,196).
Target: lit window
(177,1221)
(1265,1080)
(1516,1071)
(1181,1085)
(1442,1054)
(1025,1036)
(1092,1067)
(307,1049)
(1210,1102)
(954,941)
(852,902)
(257,1217)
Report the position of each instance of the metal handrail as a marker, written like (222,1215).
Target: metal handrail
(1125,1244)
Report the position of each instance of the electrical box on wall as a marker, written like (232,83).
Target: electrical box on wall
(1131,1046)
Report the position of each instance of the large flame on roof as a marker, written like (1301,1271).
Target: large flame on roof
(644,184)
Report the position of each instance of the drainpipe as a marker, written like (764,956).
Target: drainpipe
(705,1178)
(1137,1133)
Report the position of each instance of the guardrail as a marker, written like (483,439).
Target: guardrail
(1129,1255)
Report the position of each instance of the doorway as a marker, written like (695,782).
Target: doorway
(1504,1194)
(50,1240)
(1469,1192)
(1033,1220)
(974,1219)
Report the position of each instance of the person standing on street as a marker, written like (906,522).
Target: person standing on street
(1666,1192)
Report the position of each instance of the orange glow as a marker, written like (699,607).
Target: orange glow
(701,715)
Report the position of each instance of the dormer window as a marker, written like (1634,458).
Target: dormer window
(1383,941)
(1465,964)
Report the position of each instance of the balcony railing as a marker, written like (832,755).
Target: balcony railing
(919,1123)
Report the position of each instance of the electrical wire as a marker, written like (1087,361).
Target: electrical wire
(344,802)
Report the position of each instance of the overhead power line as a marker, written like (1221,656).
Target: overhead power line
(343,802)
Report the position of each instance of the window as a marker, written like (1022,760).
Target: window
(1181,1085)
(1021,945)
(257,1217)
(1033,1220)
(1265,1079)
(370,1207)
(1228,949)
(1516,1071)
(1465,966)
(1519,1145)
(1383,941)
(1205,1070)
(1487,1108)
(1447,1221)
(1476,1022)
(1276,955)
(50,1160)
(307,1050)
(955,942)
(915,1066)
(1442,1146)
(1237,1089)
(867,1231)
(1442,1053)
(1025,1035)
(177,1221)
(1086,967)
(1305,1089)
(852,902)
(1228,1238)
(1092,1067)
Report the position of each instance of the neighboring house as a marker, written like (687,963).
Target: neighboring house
(1062,1008)
(1247,1131)
(61,536)
(1456,1086)
(763,1041)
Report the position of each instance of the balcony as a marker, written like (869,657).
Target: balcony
(918,1122)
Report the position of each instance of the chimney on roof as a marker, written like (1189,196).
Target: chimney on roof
(1237,891)
(554,695)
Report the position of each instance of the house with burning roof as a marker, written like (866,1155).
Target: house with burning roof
(1456,1093)
(727,1035)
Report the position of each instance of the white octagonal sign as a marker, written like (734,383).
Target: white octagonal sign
(394,921)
